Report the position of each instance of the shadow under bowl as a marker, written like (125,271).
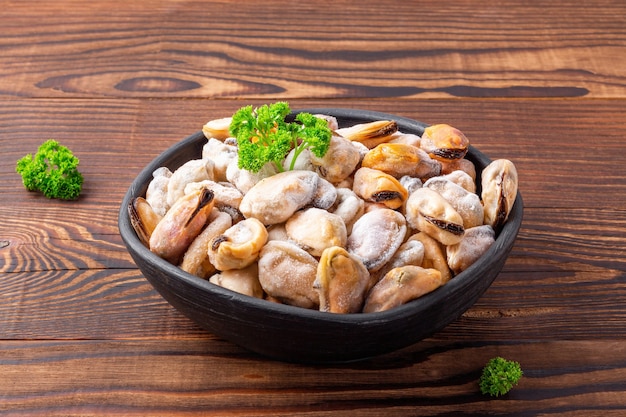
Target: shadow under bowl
(295,334)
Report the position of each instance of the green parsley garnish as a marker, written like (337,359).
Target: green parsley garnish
(53,171)
(499,376)
(264,136)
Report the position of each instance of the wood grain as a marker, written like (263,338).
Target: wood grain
(341,49)
(186,377)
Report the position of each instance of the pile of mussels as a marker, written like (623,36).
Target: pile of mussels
(383,218)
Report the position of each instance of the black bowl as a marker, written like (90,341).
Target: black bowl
(295,334)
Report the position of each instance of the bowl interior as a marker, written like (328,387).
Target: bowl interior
(295,334)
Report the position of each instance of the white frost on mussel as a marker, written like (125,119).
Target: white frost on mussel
(275,199)
(243,179)
(194,170)
(476,241)
(428,211)
(221,154)
(376,236)
(467,204)
(156,194)
(315,229)
(339,161)
(410,252)
(287,273)
(463,179)
(325,195)
(348,206)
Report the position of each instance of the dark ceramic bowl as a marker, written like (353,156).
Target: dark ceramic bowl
(295,334)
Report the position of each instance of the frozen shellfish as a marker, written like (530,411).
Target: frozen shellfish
(410,252)
(221,154)
(243,179)
(434,255)
(428,211)
(444,142)
(462,179)
(191,171)
(143,219)
(339,161)
(341,281)
(275,199)
(217,128)
(181,224)
(474,244)
(315,229)
(378,187)
(398,159)
(467,204)
(348,206)
(370,134)
(238,246)
(376,236)
(156,194)
(401,285)
(325,195)
(287,273)
(499,190)
(244,281)
(196,259)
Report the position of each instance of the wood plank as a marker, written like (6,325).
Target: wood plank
(213,49)
(183,377)
(66,279)
(115,139)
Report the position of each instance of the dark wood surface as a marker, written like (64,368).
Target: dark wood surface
(543,84)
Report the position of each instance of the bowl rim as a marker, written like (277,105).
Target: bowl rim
(440,295)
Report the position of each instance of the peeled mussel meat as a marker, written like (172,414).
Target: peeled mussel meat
(401,285)
(376,236)
(428,211)
(196,258)
(467,204)
(370,134)
(339,161)
(476,241)
(398,159)
(275,199)
(217,128)
(444,142)
(143,219)
(191,171)
(181,224)
(287,273)
(378,187)
(499,190)
(341,281)
(238,246)
(156,194)
(315,229)
(244,281)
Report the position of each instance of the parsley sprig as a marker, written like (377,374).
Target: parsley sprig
(264,136)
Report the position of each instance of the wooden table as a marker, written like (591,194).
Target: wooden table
(541,83)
